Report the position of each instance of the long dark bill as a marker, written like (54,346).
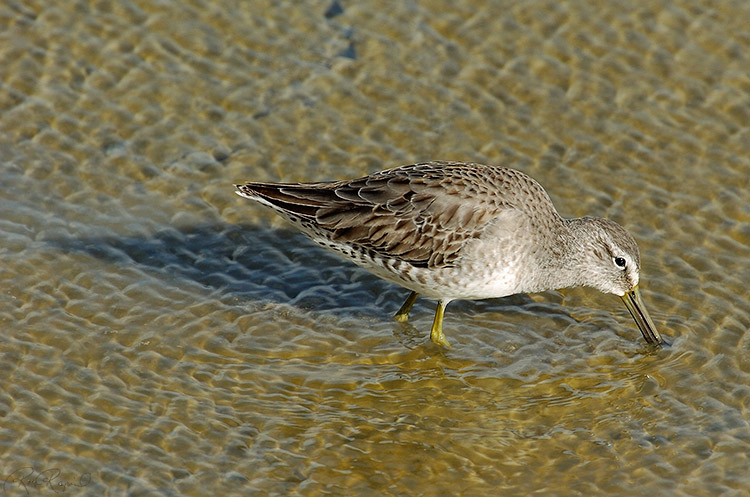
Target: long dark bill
(635,305)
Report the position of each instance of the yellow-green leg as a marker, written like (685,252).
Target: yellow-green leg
(403,314)
(436,334)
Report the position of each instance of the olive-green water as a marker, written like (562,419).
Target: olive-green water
(161,336)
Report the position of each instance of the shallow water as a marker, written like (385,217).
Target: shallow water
(162,336)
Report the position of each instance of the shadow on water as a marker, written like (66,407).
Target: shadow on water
(247,263)
(257,264)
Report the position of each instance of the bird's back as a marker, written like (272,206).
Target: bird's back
(422,214)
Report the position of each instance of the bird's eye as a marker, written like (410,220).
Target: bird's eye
(620,262)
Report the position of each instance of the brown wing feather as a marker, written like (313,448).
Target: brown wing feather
(422,214)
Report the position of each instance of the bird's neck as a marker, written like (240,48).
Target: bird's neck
(578,245)
(565,260)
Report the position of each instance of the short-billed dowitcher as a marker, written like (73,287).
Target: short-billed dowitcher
(452,230)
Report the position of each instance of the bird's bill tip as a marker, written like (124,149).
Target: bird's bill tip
(634,303)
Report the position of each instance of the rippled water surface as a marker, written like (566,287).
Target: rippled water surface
(162,336)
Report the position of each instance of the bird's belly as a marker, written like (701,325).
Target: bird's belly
(495,274)
(476,283)
(493,286)
(453,283)
(448,283)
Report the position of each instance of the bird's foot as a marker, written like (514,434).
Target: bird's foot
(403,313)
